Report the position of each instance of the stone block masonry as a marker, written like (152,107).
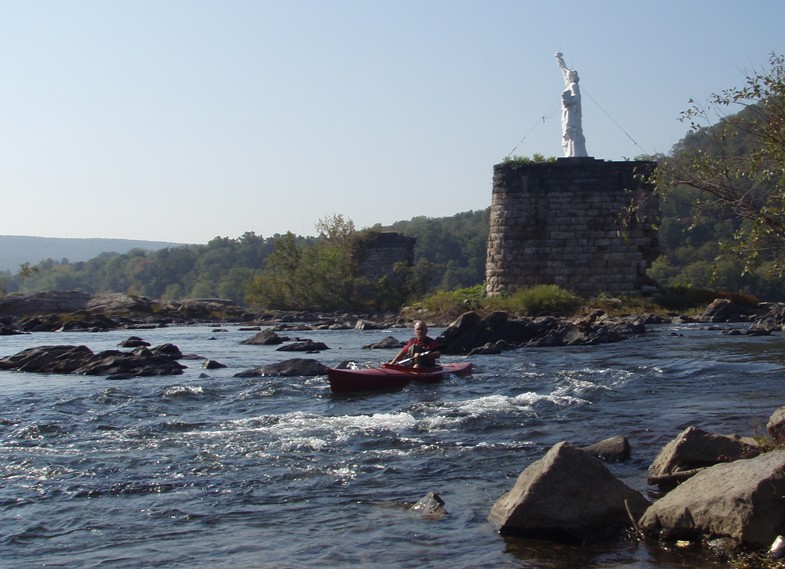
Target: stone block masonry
(566,223)
(378,253)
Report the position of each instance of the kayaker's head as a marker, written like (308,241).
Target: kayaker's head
(420,329)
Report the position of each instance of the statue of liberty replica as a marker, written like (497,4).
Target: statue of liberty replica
(573,141)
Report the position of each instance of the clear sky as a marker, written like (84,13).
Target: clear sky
(183,120)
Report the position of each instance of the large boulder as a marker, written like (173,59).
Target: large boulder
(740,500)
(568,495)
(570,334)
(287,368)
(694,449)
(89,322)
(721,310)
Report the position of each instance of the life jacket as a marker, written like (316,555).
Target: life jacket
(425,345)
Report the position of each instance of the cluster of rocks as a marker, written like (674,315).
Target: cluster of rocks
(723,491)
(114,364)
(473,334)
(470,334)
(80,311)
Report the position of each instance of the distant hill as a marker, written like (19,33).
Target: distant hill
(16,250)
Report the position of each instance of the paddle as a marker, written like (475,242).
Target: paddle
(407,360)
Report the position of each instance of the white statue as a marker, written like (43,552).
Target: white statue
(573,141)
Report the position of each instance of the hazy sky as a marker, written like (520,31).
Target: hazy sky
(185,120)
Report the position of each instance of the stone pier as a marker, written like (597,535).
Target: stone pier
(566,223)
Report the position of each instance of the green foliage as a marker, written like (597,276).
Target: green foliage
(725,182)
(456,301)
(323,274)
(536,158)
(216,269)
(536,301)
(624,304)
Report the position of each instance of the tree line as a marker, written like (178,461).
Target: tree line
(281,271)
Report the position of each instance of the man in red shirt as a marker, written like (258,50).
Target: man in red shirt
(421,349)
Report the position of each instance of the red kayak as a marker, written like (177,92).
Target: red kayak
(390,376)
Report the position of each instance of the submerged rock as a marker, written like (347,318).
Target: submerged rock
(133,342)
(304,346)
(388,343)
(293,367)
(431,505)
(613,449)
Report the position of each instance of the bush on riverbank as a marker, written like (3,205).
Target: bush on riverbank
(535,301)
(538,300)
(553,300)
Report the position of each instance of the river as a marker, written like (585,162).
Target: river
(208,470)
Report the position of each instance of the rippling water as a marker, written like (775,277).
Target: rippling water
(207,470)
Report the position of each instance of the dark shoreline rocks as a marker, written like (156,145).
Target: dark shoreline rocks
(732,494)
(498,331)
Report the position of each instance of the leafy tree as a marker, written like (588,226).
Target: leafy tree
(277,286)
(324,273)
(26,271)
(731,167)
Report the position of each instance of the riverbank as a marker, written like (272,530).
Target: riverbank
(77,310)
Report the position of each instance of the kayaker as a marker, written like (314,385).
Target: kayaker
(421,350)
